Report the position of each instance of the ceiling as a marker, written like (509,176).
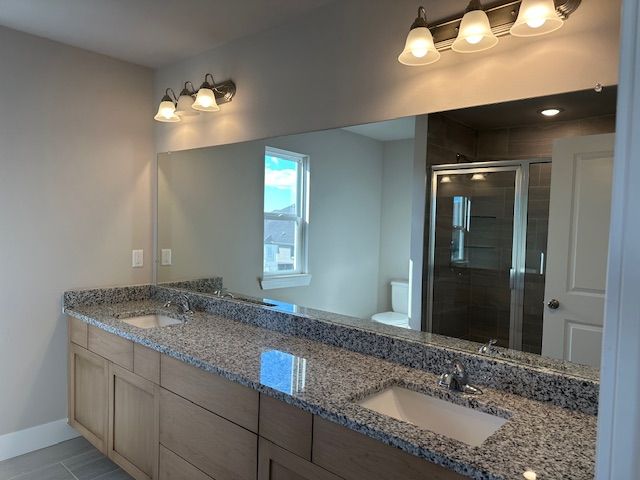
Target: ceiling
(399,129)
(575,105)
(148,32)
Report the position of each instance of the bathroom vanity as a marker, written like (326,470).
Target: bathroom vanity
(250,394)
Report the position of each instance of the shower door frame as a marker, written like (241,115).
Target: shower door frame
(518,251)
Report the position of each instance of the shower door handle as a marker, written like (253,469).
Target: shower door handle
(512,278)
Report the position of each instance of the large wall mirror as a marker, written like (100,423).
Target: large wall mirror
(484,224)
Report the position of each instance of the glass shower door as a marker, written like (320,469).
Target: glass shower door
(474,253)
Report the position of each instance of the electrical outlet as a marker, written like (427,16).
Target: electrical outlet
(165,258)
(137,258)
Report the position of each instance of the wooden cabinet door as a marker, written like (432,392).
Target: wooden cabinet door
(275,463)
(133,423)
(88,390)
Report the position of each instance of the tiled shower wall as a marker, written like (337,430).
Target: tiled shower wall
(470,290)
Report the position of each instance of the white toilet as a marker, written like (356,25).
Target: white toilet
(399,303)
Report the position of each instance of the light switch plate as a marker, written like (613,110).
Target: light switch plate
(165,258)
(137,258)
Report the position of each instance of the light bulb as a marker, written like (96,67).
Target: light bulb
(419,49)
(167,112)
(536,22)
(473,39)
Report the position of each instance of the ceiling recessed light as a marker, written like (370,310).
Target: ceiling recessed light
(550,112)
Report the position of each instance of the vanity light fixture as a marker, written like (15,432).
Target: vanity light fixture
(208,98)
(185,101)
(475,33)
(550,112)
(419,48)
(478,29)
(478,177)
(536,17)
(167,108)
(445,179)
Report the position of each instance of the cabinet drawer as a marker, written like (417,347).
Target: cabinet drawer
(146,363)
(286,426)
(219,448)
(276,463)
(118,350)
(354,456)
(78,331)
(218,395)
(173,467)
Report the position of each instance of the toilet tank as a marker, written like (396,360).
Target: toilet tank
(400,296)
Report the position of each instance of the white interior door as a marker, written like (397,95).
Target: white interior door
(579,217)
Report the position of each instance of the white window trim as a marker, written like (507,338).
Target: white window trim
(299,277)
(271,282)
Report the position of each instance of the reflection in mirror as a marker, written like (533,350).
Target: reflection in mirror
(506,239)
(321,219)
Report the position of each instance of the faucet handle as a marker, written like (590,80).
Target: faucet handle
(488,348)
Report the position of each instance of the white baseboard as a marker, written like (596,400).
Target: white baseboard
(34,438)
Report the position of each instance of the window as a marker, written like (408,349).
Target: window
(286,219)
(461,225)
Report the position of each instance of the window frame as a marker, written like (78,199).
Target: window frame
(299,276)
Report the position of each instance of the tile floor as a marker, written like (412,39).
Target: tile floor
(74,459)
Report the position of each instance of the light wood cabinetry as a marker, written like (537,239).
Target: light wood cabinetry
(146,363)
(214,445)
(115,349)
(88,395)
(174,467)
(161,419)
(286,426)
(218,395)
(354,456)
(276,463)
(78,331)
(133,423)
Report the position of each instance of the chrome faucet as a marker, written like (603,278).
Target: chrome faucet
(183,304)
(457,379)
(223,293)
(488,348)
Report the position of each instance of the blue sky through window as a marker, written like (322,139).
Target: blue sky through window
(280,183)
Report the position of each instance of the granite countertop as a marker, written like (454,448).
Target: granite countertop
(554,442)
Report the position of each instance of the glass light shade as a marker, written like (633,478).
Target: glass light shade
(167,112)
(205,101)
(419,48)
(475,33)
(536,17)
(185,103)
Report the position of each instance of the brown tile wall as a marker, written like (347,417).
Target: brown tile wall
(472,300)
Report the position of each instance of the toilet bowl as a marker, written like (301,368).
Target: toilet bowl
(399,316)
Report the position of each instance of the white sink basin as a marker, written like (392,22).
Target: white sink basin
(151,321)
(445,418)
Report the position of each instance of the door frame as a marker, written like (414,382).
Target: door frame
(518,253)
(619,406)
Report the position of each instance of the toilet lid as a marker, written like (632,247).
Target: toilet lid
(391,318)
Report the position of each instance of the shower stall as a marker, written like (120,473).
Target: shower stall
(486,252)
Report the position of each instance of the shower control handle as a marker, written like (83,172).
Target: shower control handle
(553,304)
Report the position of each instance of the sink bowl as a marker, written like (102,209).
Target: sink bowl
(445,418)
(151,321)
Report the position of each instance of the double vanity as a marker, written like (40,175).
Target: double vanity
(175,386)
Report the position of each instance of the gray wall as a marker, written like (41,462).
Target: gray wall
(210,215)
(75,190)
(395,219)
(338,66)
